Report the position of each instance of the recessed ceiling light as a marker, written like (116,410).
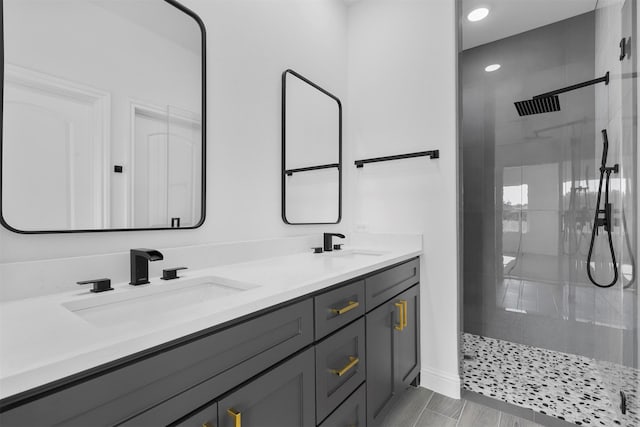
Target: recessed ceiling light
(492,67)
(478,14)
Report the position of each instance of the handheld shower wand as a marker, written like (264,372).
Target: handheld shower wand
(603,217)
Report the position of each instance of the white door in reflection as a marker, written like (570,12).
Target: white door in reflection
(166,169)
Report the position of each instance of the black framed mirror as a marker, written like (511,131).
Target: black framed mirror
(103,116)
(311,152)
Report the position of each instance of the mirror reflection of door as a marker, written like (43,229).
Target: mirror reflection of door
(166,147)
(54,133)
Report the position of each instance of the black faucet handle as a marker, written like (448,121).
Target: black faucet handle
(171,273)
(317,250)
(99,285)
(337,247)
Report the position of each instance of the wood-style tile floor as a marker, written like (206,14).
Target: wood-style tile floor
(419,407)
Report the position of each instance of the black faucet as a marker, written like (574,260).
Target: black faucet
(140,264)
(328,240)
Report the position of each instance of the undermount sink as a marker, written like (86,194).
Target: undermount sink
(152,303)
(352,253)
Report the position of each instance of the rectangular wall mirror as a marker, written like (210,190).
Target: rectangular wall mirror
(311,152)
(102,116)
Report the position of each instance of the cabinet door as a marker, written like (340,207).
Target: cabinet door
(381,384)
(393,351)
(284,396)
(407,341)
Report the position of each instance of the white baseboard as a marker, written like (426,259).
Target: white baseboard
(441,382)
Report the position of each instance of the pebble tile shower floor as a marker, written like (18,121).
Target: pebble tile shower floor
(574,388)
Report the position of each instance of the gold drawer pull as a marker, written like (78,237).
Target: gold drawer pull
(353,362)
(207,424)
(405,311)
(237,417)
(351,306)
(400,306)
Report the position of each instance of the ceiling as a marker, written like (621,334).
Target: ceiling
(510,17)
(158,17)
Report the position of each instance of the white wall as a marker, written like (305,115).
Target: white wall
(250,43)
(402,98)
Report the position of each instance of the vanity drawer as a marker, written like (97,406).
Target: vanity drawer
(352,412)
(338,307)
(188,375)
(207,417)
(340,367)
(385,285)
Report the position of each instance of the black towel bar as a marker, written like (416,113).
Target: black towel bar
(290,172)
(433,154)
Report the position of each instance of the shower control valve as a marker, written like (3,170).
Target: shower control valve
(615,169)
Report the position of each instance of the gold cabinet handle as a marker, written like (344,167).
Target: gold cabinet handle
(353,361)
(400,306)
(404,312)
(349,307)
(207,424)
(237,417)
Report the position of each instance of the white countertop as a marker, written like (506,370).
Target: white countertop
(42,341)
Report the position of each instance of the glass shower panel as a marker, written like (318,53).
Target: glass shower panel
(543,336)
(617,311)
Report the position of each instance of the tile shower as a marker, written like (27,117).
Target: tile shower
(537,333)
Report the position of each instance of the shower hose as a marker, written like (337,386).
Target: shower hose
(603,216)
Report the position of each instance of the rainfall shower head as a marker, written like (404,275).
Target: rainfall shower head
(538,105)
(549,102)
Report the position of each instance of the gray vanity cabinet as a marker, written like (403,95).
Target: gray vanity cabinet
(333,358)
(393,345)
(284,396)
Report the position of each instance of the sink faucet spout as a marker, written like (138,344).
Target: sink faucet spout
(328,240)
(140,264)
